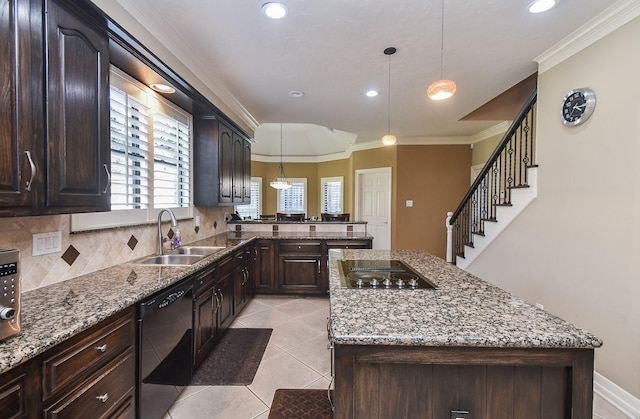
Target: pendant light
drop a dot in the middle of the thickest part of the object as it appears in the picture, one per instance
(280, 182)
(389, 138)
(441, 89)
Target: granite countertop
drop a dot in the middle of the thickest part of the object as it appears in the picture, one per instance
(54, 313)
(463, 311)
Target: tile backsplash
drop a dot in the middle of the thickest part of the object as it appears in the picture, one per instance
(87, 252)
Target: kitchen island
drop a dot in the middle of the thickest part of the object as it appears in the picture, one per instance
(464, 346)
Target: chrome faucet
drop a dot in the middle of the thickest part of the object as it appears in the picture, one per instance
(174, 223)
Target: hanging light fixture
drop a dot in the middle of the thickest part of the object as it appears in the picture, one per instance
(280, 182)
(389, 138)
(441, 89)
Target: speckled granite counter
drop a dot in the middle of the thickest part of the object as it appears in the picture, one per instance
(463, 311)
(54, 313)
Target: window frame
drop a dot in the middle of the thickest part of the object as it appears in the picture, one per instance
(323, 204)
(293, 181)
(132, 217)
(257, 180)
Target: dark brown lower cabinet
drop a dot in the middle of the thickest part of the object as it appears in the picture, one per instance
(225, 293)
(300, 267)
(205, 310)
(264, 266)
(382, 382)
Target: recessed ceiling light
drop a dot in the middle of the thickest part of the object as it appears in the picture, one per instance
(372, 93)
(274, 10)
(296, 93)
(539, 6)
(162, 88)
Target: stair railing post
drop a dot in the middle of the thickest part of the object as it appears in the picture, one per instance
(449, 237)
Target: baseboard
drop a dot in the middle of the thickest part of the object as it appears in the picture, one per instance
(616, 396)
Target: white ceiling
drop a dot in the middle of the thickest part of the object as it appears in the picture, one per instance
(332, 50)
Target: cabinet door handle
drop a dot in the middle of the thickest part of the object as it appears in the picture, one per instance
(318, 263)
(102, 348)
(103, 397)
(217, 301)
(106, 169)
(33, 170)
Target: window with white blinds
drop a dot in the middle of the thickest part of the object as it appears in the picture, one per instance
(332, 194)
(150, 157)
(254, 209)
(129, 152)
(293, 199)
(171, 162)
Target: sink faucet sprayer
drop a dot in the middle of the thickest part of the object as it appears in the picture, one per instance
(174, 223)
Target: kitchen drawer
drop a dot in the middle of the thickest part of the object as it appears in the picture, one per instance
(307, 247)
(104, 395)
(83, 355)
(348, 244)
(204, 280)
(225, 267)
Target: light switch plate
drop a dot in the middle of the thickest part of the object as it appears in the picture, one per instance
(45, 243)
(197, 221)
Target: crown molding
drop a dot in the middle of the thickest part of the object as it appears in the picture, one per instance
(595, 29)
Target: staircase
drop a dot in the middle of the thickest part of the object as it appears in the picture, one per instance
(504, 187)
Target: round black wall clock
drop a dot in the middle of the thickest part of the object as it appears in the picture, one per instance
(577, 106)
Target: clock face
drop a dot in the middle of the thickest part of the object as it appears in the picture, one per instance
(578, 106)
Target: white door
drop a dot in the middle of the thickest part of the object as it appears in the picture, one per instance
(373, 204)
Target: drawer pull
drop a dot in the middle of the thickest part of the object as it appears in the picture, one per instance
(103, 397)
(102, 348)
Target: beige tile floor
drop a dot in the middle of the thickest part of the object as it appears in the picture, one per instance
(296, 357)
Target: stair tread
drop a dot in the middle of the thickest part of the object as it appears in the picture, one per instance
(523, 186)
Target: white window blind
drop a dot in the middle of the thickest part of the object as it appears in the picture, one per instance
(253, 209)
(332, 195)
(293, 199)
(171, 162)
(129, 152)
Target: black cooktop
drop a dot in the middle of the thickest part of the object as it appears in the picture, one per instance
(381, 274)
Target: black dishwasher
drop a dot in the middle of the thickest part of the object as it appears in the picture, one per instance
(165, 348)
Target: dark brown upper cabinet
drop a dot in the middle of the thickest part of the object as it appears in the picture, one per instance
(21, 98)
(54, 71)
(222, 164)
(78, 163)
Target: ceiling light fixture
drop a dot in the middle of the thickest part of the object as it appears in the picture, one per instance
(274, 10)
(388, 138)
(372, 93)
(540, 6)
(280, 182)
(296, 93)
(162, 88)
(441, 89)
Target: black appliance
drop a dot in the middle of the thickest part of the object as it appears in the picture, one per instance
(381, 274)
(165, 348)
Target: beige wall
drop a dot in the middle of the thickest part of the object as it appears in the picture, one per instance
(575, 249)
(482, 149)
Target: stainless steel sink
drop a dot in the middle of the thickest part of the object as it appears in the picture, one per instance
(171, 259)
(197, 250)
(186, 255)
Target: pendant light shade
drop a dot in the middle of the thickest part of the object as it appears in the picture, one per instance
(441, 89)
(388, 138)
(281, 181)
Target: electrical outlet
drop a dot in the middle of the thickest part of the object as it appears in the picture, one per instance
(197, 221)
(409, 203)
(460, 414)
